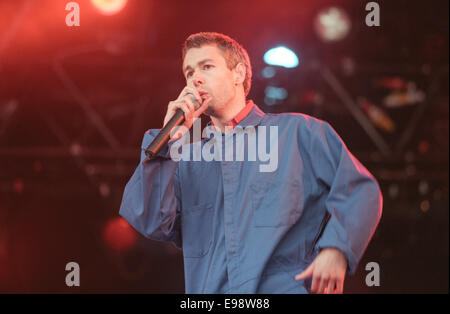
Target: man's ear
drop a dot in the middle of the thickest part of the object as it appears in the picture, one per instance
(239, 73)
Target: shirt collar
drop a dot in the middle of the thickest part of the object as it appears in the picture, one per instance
(250, 115)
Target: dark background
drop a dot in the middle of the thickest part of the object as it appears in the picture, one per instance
(75, 102)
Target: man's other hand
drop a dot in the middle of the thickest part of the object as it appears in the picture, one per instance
(327, 271)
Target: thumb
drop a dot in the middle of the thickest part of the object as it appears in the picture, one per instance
(306, 273)
(190, 121)
(203, 107)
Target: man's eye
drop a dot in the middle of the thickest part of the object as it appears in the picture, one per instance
(207, 66)
(189, 74)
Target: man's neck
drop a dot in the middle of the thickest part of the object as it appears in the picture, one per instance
(221, 119)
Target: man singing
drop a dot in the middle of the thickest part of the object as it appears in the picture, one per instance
(297, 228)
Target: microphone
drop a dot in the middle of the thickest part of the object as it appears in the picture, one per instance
(163, 136)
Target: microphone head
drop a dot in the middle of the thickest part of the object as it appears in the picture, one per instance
(196, 104)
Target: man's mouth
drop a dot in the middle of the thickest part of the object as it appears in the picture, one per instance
(203, 94)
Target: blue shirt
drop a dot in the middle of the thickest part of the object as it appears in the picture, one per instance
(243, 230)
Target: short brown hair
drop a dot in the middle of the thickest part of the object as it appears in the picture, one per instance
(232, 50)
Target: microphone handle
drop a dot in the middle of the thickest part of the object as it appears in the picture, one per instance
(163, 137)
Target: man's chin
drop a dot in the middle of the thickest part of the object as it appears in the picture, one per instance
(209, 111)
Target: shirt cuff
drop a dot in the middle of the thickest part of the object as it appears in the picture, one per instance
(149, 136)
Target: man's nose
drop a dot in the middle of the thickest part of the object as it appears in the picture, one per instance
(198, 79)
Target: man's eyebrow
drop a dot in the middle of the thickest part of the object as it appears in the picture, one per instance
(199, 63)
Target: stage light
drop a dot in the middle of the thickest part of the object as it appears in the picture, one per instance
(332, 24)
(274, 95)
(109, 7)
(393, 190)
(281, 56)
(411, 96)
(423, 147)
(104, 190)
(268, 72)
(75, 149)
(423, 187)
(18, 186)
(377, 116)
(276, 92)
(425, 206)
(311, 97)
(119, 235)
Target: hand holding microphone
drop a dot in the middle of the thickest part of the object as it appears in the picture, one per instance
(183, 111)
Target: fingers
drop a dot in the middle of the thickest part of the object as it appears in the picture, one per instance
(335, 286)
(323, 284)
(329, 272)
(327, 284)
(184, 104)
(331, 287)
(315, 284)
(306, 273)
(189, 105)
(174, 106)
(188, 90)
(203, 107)
(340, 286)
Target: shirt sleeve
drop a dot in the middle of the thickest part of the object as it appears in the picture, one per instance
(150, 202)
(354, 201)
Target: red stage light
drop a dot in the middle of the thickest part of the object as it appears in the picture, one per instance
(423, 147)
(18, 186)
(119, 235)
(109, 7)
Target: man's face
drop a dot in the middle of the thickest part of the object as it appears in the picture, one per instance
(205, 69)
